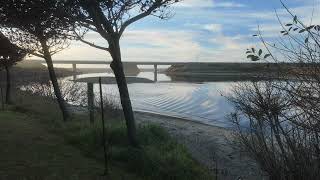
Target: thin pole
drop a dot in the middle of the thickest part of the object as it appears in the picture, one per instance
(106, 171)
(74, 71)
(2, 101)
(155, 72)
(90, 96)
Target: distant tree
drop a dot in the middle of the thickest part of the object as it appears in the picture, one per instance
(42, 28)
(9, 55)
(110, 18)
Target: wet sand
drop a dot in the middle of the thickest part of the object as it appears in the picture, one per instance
(210, 145)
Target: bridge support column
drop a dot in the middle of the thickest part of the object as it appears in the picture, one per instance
(155, 72)
(90, 102)
(74, 71)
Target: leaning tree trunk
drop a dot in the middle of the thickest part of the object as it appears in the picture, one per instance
(117, 68)
(8, 85)
(54, 81)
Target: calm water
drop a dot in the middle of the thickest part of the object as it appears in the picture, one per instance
(202, 102)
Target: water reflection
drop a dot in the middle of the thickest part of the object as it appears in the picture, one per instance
(201, 102)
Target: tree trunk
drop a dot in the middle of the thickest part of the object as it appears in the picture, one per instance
(54, 81)
(117, 68)
(8, 86)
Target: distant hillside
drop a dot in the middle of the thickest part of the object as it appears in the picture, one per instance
(30, 64)
(130, 69)
(228, 71)
(220, 67)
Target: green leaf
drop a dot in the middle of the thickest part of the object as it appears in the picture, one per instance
(306, 40)
(248, 52)
(260, 52)
(266, 56)
(250, 56)
(295, 29)
(295, 19)
(253, 50)
(253, 57)
(310, 27)
(289, 24)
(302, 30)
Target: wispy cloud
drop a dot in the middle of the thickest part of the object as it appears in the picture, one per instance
(201, 30)
(213, 27)
(209, 4)
(228, 5)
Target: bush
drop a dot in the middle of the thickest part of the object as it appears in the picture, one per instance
(159, 156)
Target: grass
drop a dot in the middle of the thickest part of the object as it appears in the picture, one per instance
(28, 151)
(159, 157)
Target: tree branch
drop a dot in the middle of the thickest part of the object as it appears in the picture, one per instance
(89, 43)
(138, 17)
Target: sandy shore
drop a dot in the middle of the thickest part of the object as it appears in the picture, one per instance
(210, 145)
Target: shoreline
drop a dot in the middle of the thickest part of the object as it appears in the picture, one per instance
(210, 145)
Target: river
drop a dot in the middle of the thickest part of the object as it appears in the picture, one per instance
(203, 102)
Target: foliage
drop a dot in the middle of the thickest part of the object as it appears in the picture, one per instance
(9, 53)
(282, 117)
(110, 18)
(27, 23)
(159, 156)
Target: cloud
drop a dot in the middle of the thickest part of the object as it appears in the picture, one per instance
(141, 45)
(228, 5)
(160, 45)
(195, 3)
(208, 4)
(213, 27)
(201, 30)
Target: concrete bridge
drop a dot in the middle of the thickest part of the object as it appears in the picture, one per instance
(90, 92)
(155, 64)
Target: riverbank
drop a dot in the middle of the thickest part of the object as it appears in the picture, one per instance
(159, 156)
(210, 145)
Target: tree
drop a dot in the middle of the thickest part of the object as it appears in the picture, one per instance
(42, 28)
(9, 55)
(110, 18)
(283, 134)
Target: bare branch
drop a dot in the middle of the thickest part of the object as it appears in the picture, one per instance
(80, 38)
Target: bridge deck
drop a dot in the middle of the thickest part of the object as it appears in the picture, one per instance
(130, 62)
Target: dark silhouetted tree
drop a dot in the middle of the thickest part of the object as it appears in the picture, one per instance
(110, 18)
(42, 28)
(9, 55)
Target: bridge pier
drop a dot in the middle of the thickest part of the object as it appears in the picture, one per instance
(74, 71)
(155, 72)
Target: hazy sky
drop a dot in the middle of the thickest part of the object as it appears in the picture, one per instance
(201, 30)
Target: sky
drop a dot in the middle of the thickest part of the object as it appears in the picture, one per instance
(200, 31)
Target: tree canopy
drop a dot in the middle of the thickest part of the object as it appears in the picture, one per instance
(110, 18)
(27, 23)
(9, 53)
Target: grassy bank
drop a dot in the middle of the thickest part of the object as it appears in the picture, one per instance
(28, 151)
(159, 157)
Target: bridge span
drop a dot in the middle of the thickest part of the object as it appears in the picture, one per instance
(155, 64)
